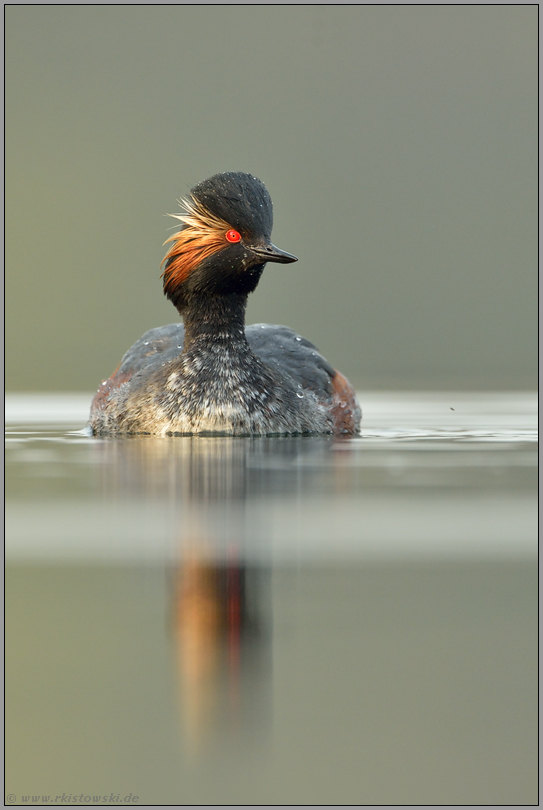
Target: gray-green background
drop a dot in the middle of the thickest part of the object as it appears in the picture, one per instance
(398, 144)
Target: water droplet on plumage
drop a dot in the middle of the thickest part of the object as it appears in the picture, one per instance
(299, 395)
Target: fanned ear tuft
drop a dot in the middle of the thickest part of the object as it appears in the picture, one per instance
(202, 236)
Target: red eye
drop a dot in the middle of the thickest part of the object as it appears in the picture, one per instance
(233, 236)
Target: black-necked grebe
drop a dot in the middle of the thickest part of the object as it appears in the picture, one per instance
(212, 374)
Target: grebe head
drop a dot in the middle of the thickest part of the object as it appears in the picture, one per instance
(225, 239)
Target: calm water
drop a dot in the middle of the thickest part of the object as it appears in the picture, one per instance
(275, 621)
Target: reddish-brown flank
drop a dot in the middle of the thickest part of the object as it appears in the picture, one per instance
(99, 401)
(344, 405)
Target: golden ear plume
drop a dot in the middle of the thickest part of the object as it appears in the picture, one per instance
(203, 235)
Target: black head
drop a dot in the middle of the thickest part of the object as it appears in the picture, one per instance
(239, 199)
(225, 241)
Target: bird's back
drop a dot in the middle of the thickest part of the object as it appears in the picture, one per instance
(288, 354)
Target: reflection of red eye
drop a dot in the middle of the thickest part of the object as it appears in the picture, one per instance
(233, 236)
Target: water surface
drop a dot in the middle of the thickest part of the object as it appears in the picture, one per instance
(275, 621)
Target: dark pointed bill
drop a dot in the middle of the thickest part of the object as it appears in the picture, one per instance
(270, 253)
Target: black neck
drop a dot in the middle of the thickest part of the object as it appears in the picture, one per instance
(213, 318)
